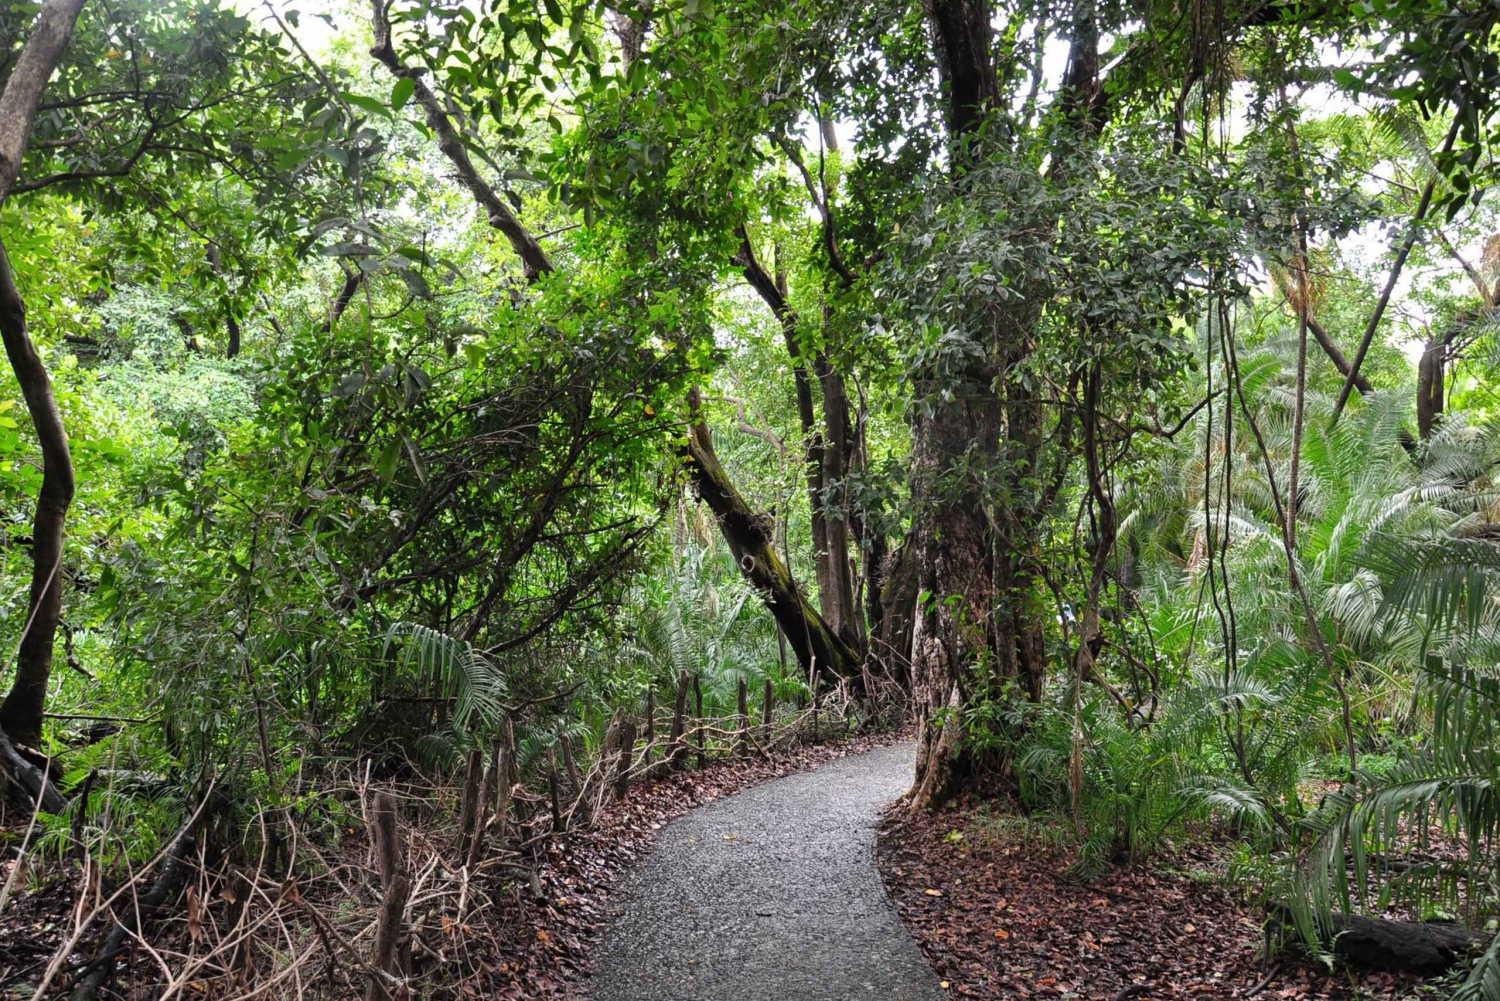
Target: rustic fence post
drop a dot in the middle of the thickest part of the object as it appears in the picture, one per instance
(570, 764)
(678, 753)
(650, 720)
(627, 752)
(815, 705)
(769, 707)
(702, 734)
(393, 902)
(505, 790)
(744, 742)
(468, 803)
(591, 795)
(242, 958)
(557, 823)
(514, 769)
(485, 801)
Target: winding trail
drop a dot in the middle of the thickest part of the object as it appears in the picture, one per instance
(770, 895)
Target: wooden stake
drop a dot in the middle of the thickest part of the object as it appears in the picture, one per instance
(650, 720)
(626, 754)
(557, 822)
(770, 705)
(814, 687)
(482, 818)
(393, 902)
(698, 715)
(510, 746)
(468, 804)
(679, 751)
(506, 787)
(575, 781)
(387, 843)
(744, 745)
(388, 936)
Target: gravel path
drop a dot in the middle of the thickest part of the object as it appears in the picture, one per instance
(770, 895)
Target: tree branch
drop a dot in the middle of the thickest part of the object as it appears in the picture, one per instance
(534, 259)
(27, 82)
(1413, 231)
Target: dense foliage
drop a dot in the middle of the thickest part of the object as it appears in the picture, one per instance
(1104, 384)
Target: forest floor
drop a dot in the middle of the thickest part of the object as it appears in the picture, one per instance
(987, 899)
(518, 949)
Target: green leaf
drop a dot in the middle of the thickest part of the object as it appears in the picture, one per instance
(417, 462)
(349, 385)
(402, 92)
(369, 104)
(389, 456)
(348, 250)
(415, 283)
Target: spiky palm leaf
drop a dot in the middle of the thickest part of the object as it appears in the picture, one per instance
(455, 669)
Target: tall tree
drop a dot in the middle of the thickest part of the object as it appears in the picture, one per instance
(826, 640)
(21, 712)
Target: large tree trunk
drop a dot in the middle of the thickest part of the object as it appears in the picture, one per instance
(21, 713)
(951, 539)
(839, 605)
(1020, 642)
(898, 608)
(750, 539)
(974, 557)
(951, 546)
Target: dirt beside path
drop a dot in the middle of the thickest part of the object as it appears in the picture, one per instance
(995, 915)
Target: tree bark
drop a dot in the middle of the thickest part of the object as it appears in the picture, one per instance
(1431, 383)
(34, 782)
(898, 602)
(678, 752)
(972, 555)
(962, 38)
(748, 534)
(839, 605)
(826, 453)
(950, 540)
(21, 713)
(951, 547)
(27, 82)
(1336, 355)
